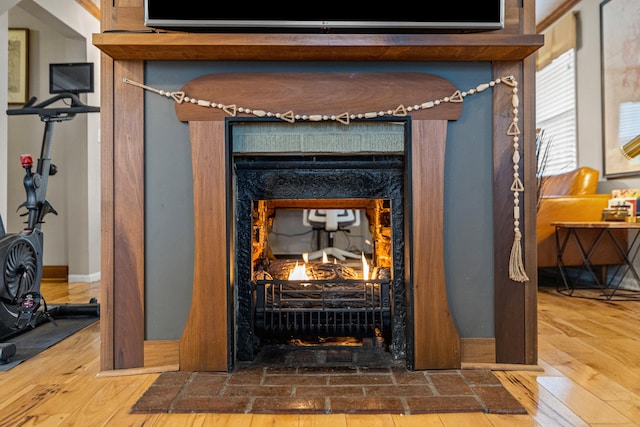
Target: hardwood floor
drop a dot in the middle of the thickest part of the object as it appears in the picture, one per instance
(589, 352)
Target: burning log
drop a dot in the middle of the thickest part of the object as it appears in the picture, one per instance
(280, 270)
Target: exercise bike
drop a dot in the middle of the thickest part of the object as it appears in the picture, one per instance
(22, 306)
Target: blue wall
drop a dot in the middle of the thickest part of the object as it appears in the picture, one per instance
(468, 233)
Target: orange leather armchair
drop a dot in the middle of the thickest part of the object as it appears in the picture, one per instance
(572, 196)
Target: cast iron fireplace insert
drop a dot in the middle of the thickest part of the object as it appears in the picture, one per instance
(377, 306)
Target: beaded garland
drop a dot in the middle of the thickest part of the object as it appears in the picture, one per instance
(516, 267)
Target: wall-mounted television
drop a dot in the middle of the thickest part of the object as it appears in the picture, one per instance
(74, 77)
(279, 17)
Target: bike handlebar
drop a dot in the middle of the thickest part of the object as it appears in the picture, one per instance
(63, 113)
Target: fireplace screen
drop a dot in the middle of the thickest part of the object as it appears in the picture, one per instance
(309, 309)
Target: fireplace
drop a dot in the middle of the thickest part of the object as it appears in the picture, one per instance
(346, 293)
(236, 60)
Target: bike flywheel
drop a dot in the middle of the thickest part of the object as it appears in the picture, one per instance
(20, 269)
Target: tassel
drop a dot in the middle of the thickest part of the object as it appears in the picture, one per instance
(517, 272)
(516, 266)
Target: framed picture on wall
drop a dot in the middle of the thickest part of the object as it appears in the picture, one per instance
(18, 69)
(620, 56)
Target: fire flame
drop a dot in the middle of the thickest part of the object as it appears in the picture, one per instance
(299, 272)
(365, 267)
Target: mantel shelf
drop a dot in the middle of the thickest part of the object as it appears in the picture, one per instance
(317, 47)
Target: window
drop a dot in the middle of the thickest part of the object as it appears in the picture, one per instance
(556, 115)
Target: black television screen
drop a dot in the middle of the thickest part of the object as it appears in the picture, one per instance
(338, 18)
(76, 77)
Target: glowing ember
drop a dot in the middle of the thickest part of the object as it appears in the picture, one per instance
(299, 272)
(365, 267)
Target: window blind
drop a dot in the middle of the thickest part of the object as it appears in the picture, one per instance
(556, 115)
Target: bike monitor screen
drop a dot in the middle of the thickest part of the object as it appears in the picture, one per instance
(74, 77)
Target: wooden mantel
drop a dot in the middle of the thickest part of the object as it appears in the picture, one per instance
(318, 47)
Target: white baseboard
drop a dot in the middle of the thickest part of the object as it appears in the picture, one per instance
(94, 277)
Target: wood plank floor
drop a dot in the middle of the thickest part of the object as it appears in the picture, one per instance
(589, 351)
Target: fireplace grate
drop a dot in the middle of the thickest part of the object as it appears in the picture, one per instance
(321, 308)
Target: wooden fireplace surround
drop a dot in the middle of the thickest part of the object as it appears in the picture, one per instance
(204, 342)
(127, 44)
(203, 347)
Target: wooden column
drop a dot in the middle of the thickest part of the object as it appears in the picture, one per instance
(203, 345)
(122, 246)
(436, 339)
(515, 303)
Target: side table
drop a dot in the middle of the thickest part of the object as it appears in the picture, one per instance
(609, 283)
